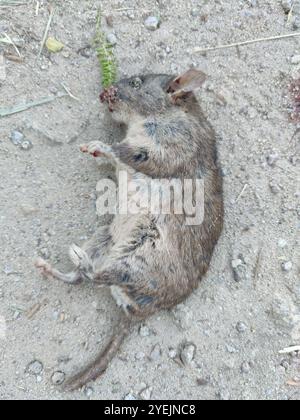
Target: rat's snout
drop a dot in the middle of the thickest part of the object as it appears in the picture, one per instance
(110, 96)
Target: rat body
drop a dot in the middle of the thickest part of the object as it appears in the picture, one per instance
(152, 261)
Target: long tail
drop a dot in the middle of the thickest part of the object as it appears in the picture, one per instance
(99, 366)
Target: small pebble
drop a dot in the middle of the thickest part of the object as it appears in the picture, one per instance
(144, 331)
(236, 263)
(111, 39)
(172, 353)
(16, 315)
(296, 22)
(26, 145)
(241, 327)
(231, 349)
(287, 5)
(203, 381)
(285, 364)
(35, 368)
(152, 23)
(295, 59)
(146, 394)
(188, 353)
(110, 20)
(155, 353)
(272, 159)
(8, 270)
(274, 187)
(130, 397)
(223, 395)
(58, 378)
(245, 368)
(116, 387)
(282, 243)
(140, 356)
(16, 137)
(28, 210)
(238, 267)
(88, 392)
(287, 266)
(131, 15)
(195, 12)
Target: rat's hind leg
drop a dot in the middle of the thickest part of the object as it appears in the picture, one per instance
(47, 270)
(80, 259)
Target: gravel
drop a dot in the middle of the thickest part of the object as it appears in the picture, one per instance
(295, 59)
(58, 378)
(287, 266)
(16, 137)
(112, 39)
(241, 327)
(287, 5)
(47, 196)
(187, 354)
(246, 368)
(239, 270)
(26, 145)
(35, 368)
(152, 23)
(282, 243)
(156, 353)
(146, 394)
(130, 397)
(144, 331)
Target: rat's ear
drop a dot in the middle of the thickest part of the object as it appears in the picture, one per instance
(186, 84)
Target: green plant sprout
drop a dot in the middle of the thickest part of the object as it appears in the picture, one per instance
(107, 60)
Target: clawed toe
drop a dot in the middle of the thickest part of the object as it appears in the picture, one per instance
(84, 148)
(94, 148)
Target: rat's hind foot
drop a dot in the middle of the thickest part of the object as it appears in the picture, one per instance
(48, 271)
(97, 149)
(44, 267)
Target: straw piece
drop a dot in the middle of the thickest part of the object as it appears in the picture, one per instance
(240, 44)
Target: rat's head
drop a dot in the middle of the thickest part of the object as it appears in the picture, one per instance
(147, 95)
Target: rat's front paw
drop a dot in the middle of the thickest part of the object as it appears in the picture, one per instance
(96, 149)
(44, 268)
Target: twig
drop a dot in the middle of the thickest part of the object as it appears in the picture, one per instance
(239, 44)
(242, 192)
(289, 350)
(123, 9)
(46, 31)
(291, 13)
(11, 41)
(257, 267)
(69, 92)
(13, 44)
(14, 58)
(11, 3)
(4, 112)
(37, 8)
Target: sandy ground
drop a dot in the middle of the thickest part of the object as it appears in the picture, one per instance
(247, 308)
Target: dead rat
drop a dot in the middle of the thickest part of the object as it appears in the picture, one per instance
(151, 261)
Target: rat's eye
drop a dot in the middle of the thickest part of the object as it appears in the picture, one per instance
(136, 83)
(140, 157)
